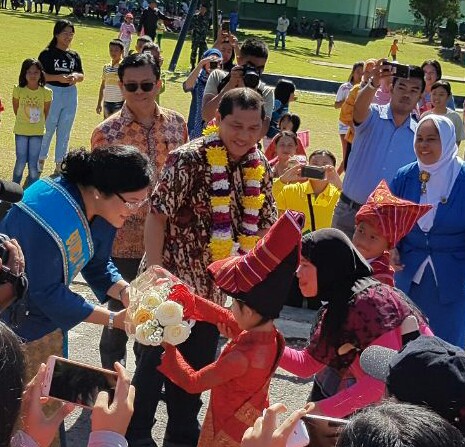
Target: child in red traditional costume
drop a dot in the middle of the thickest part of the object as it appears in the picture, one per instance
(239, 380)
(380, 224)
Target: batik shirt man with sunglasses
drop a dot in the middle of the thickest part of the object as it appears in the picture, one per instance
(155, 131)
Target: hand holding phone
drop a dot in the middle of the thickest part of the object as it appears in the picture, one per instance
(39, 427)
(315, 172)
(75, 382)
(115, 416)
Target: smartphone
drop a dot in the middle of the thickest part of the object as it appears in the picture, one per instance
(76, 382)
(315, 172)
(399, 70)
(213, 65)
(225, 26)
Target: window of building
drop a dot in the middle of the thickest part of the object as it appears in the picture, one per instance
(272, 2)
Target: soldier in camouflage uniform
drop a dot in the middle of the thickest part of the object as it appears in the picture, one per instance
(200, 28)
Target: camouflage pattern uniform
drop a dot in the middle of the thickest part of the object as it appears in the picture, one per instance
(200, 29)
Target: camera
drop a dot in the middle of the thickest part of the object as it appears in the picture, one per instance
(399, 70)
(251, 76)
(213, 65)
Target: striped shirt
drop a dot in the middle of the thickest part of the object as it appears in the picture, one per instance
(111, 92)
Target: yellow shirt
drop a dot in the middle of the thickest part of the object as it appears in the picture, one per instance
(294, 197)
(30, 119)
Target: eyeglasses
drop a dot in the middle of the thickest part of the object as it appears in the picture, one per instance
(132, 206)
(144, 86)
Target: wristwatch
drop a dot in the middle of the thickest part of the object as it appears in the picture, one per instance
(111, 320)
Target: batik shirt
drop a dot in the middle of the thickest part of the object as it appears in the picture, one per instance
(168, 132)
(183, 194)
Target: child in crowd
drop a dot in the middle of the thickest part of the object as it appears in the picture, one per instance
(440, 95)
(286, 147)
(394, 49)
(154, 50)
(331, 45)
(161, 28)
(126, 31)
(239, 380)
(31, 104)
(284, 94)
(110, 92)
(291, 123)
(141, 41)
(380, 224)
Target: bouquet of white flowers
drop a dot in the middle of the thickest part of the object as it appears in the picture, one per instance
(154, 314)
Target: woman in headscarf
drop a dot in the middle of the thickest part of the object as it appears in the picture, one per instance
(195, 84)
(359, 312)
(431, 259)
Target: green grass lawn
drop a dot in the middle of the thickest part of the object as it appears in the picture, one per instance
(91, 41)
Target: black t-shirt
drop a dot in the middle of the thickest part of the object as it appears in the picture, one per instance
(59, 62)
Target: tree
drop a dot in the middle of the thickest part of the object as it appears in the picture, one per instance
(433, 12)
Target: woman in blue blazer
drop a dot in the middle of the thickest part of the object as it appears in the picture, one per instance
(431, 262)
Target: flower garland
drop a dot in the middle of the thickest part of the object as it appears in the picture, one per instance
(221, 243)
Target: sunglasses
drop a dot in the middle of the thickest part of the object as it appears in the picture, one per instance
(144, 86)
(132, 206)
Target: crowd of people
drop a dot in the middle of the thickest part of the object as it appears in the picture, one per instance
(235, 204)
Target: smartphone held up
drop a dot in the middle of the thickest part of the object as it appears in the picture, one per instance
(315, 172)
(77, 383)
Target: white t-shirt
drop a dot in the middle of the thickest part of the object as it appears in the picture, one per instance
(216, 76)
(283, 24)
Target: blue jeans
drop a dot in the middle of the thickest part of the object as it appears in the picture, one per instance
(60, 120)
(280, 35)
(27, 152)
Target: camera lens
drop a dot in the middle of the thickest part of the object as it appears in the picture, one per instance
(251, 77)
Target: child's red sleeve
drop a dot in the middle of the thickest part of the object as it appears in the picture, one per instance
(226, 368)
(200, 309)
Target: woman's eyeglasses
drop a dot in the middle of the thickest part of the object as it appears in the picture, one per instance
(132, 206)
(144, 86)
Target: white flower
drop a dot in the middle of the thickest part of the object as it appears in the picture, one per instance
(252, 211)
(169, 313)
(151, 299)
(218, 170)
(142, 334)
(176, 334)
(221, 209)
(149, 333)
(220, 184)
(250, 227)
(254, 183)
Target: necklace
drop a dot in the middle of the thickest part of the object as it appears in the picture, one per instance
(424, 177)
(222, 243)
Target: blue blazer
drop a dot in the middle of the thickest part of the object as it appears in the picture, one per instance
(445, 242)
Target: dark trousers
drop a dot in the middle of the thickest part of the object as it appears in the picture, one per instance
(183, 427)
(198, 46)
(113, 342)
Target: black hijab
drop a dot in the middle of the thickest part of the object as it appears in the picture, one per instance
(341, 269)
(342, 272)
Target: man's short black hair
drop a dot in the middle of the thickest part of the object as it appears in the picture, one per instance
(243, 97)
(254, 47)
(415, 73)
(145, 39)
(117, 43)
(139, 60)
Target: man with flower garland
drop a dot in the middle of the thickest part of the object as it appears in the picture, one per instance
(213, 200)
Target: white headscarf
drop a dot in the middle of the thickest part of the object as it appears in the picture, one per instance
(443, 173)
